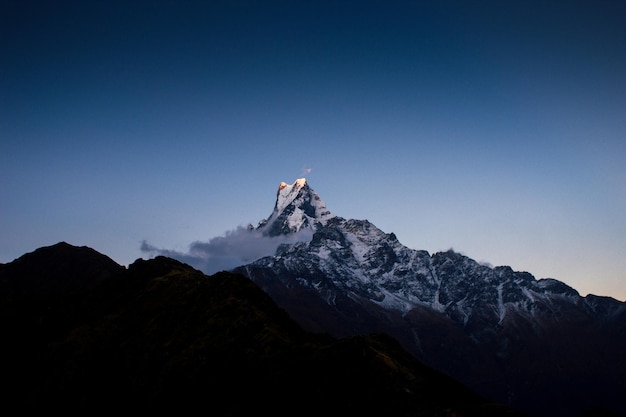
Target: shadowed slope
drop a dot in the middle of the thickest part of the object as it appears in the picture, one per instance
(163, 336)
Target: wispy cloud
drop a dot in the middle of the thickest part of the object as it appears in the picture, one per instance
(305, 171)
(234, 248)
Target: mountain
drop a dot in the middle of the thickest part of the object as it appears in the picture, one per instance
(82, 334)
(61, 270)
(298, 208)
(533, 344)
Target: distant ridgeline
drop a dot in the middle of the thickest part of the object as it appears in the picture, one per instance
(533, 344)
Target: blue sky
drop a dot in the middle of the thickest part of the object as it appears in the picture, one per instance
(494, 128)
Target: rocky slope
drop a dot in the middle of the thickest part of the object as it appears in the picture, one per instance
(535, 344)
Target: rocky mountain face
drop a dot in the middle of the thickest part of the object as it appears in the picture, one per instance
(534, 344)
(81, 334)
(297, 208)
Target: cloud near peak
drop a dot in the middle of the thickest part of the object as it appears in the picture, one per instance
(236, 247)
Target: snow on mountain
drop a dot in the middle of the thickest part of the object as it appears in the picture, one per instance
(358, 258)
(491, 327)
(297, 207)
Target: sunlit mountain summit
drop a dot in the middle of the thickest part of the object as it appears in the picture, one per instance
(297, 207)
(505, 333)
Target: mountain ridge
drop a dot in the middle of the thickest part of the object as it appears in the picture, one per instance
(491, 327)
(533, 344)
(162, 336)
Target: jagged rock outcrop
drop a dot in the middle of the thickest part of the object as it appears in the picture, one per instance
(297, 208)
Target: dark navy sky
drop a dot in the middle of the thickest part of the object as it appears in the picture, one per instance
(493, 127)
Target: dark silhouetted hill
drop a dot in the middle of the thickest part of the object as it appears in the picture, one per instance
(82, 334)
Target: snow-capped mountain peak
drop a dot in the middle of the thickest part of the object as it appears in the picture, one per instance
(491, 327)
(288, 192)
(297, 207)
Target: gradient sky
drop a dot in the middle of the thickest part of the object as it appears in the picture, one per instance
(497, 128)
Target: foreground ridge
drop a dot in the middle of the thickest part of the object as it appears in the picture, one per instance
(162, 336)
